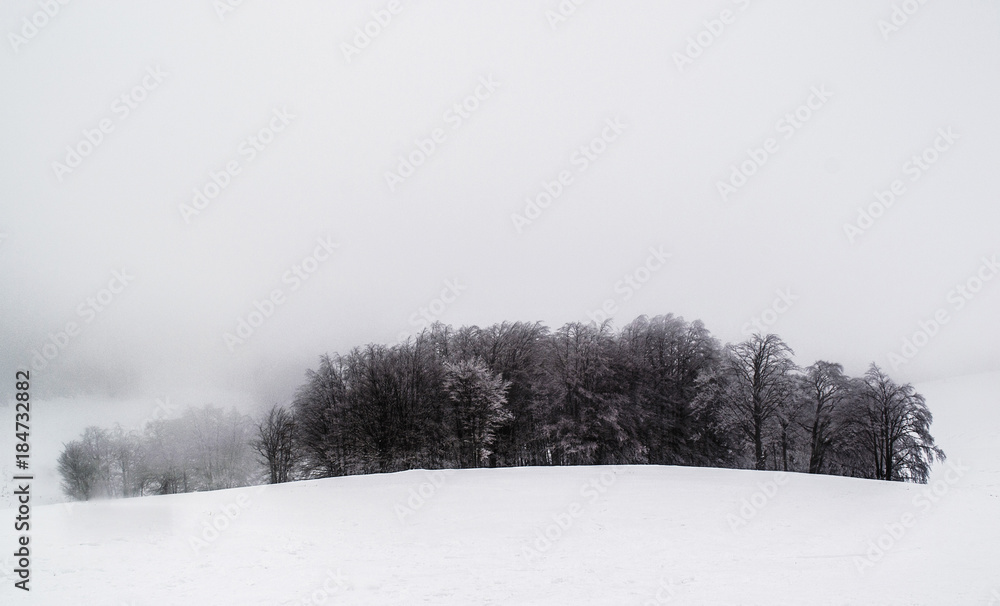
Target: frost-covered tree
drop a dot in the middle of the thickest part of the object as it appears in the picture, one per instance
(661, 360)
(205, 449)
(78, 471)
(478, 407)
(217, 444)
(101, 464)
(126, 452)
(591, 421)
(517, 352)
(166, 463)
(824, 390)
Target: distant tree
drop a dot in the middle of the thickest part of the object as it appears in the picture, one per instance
(126, 450)
(758, 384)
(478, 398)
(166, 462)
(101, 464)
(216, 445)
(660, 391)
(893, 427)
(275, 443)
(78, 471)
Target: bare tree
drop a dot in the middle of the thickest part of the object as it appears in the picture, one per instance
(894, 429)
(126, 459)
(275, 443)
(824, 388)
(320, 410)
(758, 384)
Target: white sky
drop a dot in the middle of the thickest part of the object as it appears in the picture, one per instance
(324, 176)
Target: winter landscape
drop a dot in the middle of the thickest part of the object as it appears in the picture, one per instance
(626, 535)
(506, 302)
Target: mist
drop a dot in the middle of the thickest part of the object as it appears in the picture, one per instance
(196, 203)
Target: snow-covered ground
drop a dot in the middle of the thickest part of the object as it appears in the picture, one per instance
(627, 535)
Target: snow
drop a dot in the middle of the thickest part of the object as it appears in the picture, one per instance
(629, 535)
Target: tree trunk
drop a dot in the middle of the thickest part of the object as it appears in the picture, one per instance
(758, 448)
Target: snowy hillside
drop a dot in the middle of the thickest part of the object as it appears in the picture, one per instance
(627, 535)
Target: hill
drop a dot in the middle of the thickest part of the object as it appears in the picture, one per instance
(543, 536)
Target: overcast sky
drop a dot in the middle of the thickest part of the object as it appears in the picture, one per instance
(665, 98)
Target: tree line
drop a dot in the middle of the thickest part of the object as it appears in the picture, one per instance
(660, 391)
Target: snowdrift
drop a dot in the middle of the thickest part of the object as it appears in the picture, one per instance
(544, 536)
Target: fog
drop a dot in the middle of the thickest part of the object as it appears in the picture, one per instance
(289, 136)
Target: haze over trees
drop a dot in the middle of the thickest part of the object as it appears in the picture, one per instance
(204, 449)
(659, 391)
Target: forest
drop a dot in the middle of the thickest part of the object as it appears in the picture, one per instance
(659, 391)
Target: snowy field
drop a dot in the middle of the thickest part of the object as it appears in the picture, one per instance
(627, 535)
